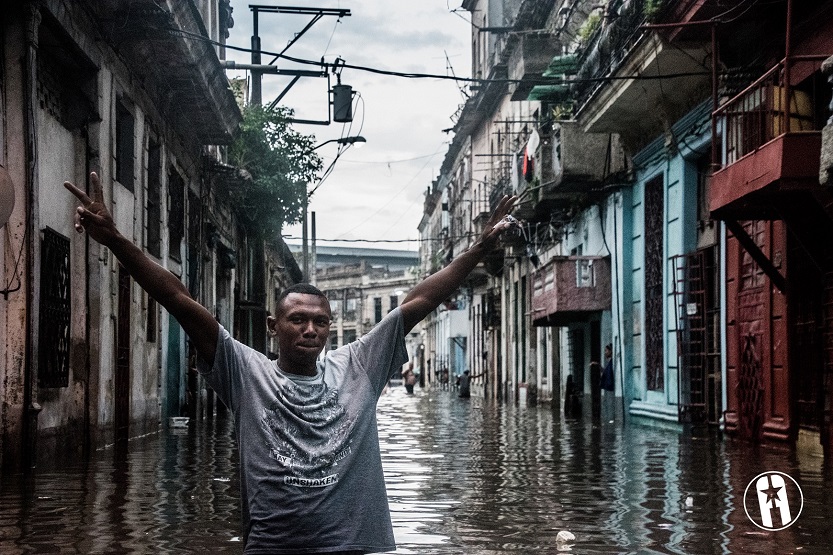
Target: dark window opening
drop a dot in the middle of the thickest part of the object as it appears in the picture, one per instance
(377, 309)
(194, 234)
(53, 338)
(154, 200)
(124, 146)
(152, 321)
(176, 213)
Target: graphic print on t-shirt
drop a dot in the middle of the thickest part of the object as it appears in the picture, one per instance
(309, 433)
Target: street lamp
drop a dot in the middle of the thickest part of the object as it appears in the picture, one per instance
(343, 141)
(305, 270)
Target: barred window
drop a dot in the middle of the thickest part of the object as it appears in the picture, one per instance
(154, 200)
(53, 340)
(176, 213)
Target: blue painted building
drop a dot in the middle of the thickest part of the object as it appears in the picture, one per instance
(673, 283)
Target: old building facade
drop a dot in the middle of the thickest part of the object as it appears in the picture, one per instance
(673, 205)
(136, 92)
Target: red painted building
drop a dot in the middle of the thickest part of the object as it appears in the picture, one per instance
(765, 187)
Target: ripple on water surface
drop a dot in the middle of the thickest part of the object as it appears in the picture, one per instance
(463, 477)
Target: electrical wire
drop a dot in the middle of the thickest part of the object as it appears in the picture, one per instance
(389, 162)
(414, 75)
(342, 147)
(397, 193)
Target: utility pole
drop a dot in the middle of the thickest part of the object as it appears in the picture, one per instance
(305, 241)
(256, 98)
(313, 265)
(257, 69)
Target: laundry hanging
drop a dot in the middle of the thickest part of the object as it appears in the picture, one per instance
(529, 155)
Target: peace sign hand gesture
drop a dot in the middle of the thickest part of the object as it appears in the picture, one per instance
(93, 215)
(499, 222)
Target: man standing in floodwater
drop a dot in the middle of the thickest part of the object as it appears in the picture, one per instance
(311, 470)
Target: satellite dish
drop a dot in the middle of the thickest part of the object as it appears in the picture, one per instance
(6, 196)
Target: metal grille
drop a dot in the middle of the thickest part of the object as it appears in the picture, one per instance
(760, 112)
(806, 340)
(698, 335)
(176, 213)
(751, 387)
(828, 343)
(55, 310)
(654, 329)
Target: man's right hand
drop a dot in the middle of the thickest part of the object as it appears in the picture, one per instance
(93, 215)
(167, 289)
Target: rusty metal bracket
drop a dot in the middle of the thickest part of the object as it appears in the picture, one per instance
(749, 244)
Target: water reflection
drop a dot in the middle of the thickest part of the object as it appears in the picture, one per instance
(463, 476)
(172, 493)
(466, 476)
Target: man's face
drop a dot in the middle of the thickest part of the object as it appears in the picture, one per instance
(302, 326)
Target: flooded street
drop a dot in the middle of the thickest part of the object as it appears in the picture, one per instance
(463, 476)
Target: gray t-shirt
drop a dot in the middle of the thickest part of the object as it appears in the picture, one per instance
(311, 471)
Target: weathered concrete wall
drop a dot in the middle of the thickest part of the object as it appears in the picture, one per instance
(13, 253)
(826, 169)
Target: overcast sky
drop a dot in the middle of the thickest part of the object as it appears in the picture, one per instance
(376, 191)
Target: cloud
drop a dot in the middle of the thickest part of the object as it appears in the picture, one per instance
(375, 192)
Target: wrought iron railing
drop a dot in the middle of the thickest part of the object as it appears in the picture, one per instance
(759, 113)
(608, 45)
(502, 187)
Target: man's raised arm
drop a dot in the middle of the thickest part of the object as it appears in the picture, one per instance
(430, 292)
(159, 283)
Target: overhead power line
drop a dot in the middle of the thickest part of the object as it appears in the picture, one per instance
(415, 75)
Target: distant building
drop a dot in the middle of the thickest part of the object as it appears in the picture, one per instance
(363, 285)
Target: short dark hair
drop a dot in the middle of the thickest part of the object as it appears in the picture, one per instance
(302, 288)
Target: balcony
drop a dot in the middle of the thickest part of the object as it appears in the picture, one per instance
(572, 160)
(163, 42)
(570, 289)
(670, 76)
(771, 148)
(529, 60)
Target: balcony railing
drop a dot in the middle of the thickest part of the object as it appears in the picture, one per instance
(759, 113)
(609, 44)
(502, 187)
(569, 289)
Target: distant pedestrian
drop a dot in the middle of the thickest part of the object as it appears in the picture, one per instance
(444, 379)
(410, 380)
(464, 383)
(607, 383)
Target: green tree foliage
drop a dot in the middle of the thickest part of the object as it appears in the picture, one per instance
(281, 162)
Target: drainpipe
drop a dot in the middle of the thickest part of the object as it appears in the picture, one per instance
(716, 150)
(30, 373)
